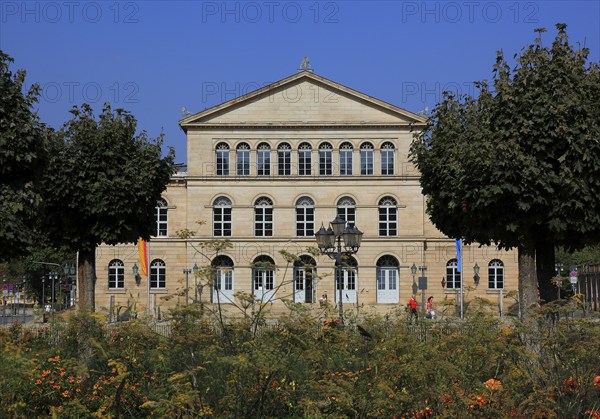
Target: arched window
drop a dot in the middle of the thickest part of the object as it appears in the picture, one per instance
(453, 277)
(349, 276)
(222, 156)
(161, 218)
(325, 159)
(116, 274)
(346, 210)
(242, 159)
(158, 274)
(496, 274)
(263, 159)
(305, 217)
(346, 162)
(388, 217)
(222, 290)
(366, 159)
(263, 217)
(387, 158)
(222, 217)
(263, 278)
(284, 159)
(304, 274)
(387, 280)
(304, 159)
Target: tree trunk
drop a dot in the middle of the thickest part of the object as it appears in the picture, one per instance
(528, 294)
(544, 259)
(86, 266)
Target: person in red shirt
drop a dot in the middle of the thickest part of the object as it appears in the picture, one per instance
(412, 308)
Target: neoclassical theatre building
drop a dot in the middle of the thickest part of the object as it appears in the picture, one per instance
(264, 172)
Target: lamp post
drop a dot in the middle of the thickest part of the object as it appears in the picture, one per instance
(330, 243)
(23, 297)
(53, 276)
(187, 272)
(559, 267)
(413, 271)
(422, 285)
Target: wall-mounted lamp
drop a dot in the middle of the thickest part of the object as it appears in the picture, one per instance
(476, 272)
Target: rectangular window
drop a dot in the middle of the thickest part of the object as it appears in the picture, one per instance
(325, 163)
(366, 162)
(346, 162)
(158, 277)
(347, 214)
(222, 222)
(263, 162)
(161, 221)
(116, 277)
(284, 162)
(243, 162)
(304, 162)
(263, 221)
(452, 277)
(387, 162)
(388, 221)
(305, 221)
(496, 277)
(263, 280)
(222, 162)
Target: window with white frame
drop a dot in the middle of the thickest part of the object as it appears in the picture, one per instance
(325, 159)
(387, 280)
(263, 160)
(346, 210)
(161, 218)
(284, 160)
(366, 159)
(496, 274)
(388, 217)
(263, 277)
(242, 159)
(263, 217)
(222, 217)
(346, 161)
(116, 274)
(304, 159)
(222, 157)
(305, 217)
(158, 274)
(222, 290)
(453, 277)
(387, 158)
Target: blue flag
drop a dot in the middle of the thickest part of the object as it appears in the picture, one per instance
(458, 255)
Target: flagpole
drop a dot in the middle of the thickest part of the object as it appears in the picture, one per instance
(148, 277)
(462, 313)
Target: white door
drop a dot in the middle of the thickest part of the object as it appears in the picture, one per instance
(387, 285)
(264, 284)
(303, 286)
(223, 292)
(349, 285)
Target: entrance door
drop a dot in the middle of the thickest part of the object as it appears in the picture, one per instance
(349, 285)
(387, 285)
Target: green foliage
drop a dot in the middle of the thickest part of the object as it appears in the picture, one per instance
(519, 165)
(23, 161)
(301, 367)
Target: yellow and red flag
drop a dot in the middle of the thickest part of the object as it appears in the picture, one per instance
(143, 251)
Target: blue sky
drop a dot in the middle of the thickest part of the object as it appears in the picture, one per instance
(153, 57)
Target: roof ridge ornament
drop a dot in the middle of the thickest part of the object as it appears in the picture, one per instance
(305, 65)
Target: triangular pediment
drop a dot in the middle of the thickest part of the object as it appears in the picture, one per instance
(303, 99)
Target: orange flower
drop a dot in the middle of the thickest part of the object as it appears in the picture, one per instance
(593, 414)
(493, 384)
(597, 381)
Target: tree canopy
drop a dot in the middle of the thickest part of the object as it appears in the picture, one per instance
(519, 165)
(103, 186)
(22, 161)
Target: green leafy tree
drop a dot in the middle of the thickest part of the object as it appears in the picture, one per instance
(22, 161)
(103, 187)
(519, 166)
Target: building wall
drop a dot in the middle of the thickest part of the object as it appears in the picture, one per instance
(332, 118)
